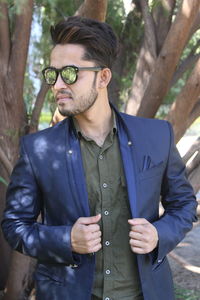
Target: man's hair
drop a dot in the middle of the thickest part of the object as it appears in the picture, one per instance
(98, 38)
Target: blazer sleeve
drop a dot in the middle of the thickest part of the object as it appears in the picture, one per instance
(20, 226)
(178, 201)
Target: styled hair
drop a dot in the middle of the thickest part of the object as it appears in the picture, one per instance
(98, 38)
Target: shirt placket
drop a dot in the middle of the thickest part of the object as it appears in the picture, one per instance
(106, 212)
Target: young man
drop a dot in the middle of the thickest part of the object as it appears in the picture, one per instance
(96, 178)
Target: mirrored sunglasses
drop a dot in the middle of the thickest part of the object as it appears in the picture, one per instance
(69, 74)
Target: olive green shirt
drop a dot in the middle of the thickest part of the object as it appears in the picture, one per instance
(116, 273)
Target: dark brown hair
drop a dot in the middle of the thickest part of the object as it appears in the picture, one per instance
(98, 38)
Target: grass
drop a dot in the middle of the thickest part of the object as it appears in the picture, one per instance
(184, 294)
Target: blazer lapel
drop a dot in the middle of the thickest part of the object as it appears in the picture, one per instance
(76, 172)
(129, 163)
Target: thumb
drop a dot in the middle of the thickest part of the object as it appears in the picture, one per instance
(89, 220)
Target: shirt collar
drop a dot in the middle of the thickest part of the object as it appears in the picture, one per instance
(80, 134)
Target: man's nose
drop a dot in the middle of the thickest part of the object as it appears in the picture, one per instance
(60, 84)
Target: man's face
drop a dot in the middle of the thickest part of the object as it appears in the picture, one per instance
(80, 96)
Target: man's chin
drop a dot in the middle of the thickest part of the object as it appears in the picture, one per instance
(66, 113)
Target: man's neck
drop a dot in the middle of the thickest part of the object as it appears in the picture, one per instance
(96, 123)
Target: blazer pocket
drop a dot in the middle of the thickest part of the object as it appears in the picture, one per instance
(156, 170)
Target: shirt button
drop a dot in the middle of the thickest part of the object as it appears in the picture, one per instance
(106, 213)
(105, 185)
(100, 156)
(107, 272)
(107, 243)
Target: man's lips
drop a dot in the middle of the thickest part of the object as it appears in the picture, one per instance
(63, 97)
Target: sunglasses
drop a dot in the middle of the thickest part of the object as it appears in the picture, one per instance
(69, 74)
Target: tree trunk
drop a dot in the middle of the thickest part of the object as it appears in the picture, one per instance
(38, 108)
(162, 14)
(192, 161)
(12, 114)
(145, 62)
(20, 284)
(168, 59)
(93, 9)
(184, 103)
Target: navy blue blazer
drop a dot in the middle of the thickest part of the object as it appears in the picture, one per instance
(49, 180)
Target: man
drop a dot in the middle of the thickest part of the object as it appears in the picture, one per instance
(96, 178)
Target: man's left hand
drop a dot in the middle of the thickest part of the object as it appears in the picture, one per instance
(143, 236)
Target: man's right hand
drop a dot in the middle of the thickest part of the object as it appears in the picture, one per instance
(86, 235)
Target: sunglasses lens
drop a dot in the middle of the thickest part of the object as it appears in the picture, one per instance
(69, 75)
(50, 76)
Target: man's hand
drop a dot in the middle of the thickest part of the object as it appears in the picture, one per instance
(143, 236)
(86, 235)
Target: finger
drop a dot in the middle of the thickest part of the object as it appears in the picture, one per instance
(89, 220)
(92, 245)
(95, 248)
(136, 235)
(139, 228)
(96, 235)
(138, 221)
(93, 228)
(137, 243)
(138, 250)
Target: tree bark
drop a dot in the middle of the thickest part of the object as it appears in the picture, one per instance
(192, 161)
(33, 127)
(20, 285)
(195, 113)
(12, 121)
(4, 36)
(168, 58)
(184, 103)
(93, 9)
(194, 178)
(5, 162)
(187, 64)
(145, 61)
(162, 15)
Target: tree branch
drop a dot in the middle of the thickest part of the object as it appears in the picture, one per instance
(162, 14)
(38, 107)
(195, 113)
(145, 62)
(93, 9)
(188, 63)
(191, 151)
(168, 59)
(184, 103)
(194, 179)
(6, 163)
(149, 29)
(20, 43)
(4, 35)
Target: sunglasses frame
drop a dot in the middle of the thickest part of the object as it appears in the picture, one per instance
(77, 69)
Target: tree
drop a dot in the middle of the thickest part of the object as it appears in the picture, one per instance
(13, 53)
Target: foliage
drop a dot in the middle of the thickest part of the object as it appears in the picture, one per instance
(184, 294)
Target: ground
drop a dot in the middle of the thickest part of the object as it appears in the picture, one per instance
(185, 265)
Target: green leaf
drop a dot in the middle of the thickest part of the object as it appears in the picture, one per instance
(3, 181)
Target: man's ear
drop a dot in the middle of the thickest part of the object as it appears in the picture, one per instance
(105, 77)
